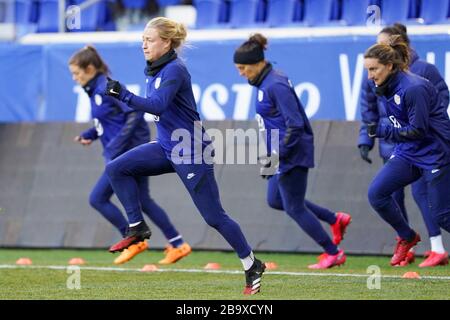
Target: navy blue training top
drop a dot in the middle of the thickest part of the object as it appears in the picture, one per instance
(373, 111)
(420, 125)
(170, 99)
(279, 108)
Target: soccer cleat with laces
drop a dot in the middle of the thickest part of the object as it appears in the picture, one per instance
(328, 261)
(131, 252)
(175, 254)
(134, 235)
(402, 248)
(435, 259)
(339, 227)
(253, 277)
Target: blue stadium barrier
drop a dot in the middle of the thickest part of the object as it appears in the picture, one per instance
(325, 71)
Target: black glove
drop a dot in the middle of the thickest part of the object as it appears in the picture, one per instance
(264, 171)
(113, 88)
(269, 166)
(364, 152)
(372, 129)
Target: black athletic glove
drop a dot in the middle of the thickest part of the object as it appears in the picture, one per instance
(364, 152)
(113, 88)
(264, 171)
(269, 166)
(372, 129)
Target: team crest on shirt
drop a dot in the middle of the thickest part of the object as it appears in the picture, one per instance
(157, 82)
(98, 99)
(397, 99)
(260, 95)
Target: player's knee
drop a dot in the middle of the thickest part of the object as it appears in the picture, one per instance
(376, 199)
(112, 169)
(214, 221)
(274, 203)
(95, 201)
(443, 221)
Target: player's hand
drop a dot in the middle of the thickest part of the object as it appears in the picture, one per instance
(372, 129)
(269, 166)
(113, 88)
(82, 141)
(364, 152)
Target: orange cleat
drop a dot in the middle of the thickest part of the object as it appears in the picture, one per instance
(402, 248)
(329, 261)
(339, 227)
(175, 254)
(131, 252)
(435, 259)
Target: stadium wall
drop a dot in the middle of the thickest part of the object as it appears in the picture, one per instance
(46, 180)
(326, 72)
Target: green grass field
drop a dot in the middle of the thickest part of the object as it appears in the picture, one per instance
(187, 280)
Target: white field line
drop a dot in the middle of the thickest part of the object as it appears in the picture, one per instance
(306, 274)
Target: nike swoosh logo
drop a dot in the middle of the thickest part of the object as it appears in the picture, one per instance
(434, 170)
(112, 91)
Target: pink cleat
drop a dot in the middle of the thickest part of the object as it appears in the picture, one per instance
(339, 227)
(435, 259)
(329, 261)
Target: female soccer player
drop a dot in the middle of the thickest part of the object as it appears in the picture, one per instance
(372, 110)
(278, 108)
(170, 99)
(420, 128)
(119, 128)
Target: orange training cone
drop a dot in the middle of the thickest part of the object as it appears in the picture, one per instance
(77, 261)
(24, 261)
(149, 268)
(411, 275)
(212, 266)
(271, 265)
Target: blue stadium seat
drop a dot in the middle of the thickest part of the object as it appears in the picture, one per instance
(48, 16)
(209, 13)
(281, 12)
(92, 17)
(317, 12)
(165, 3)
(354, 13)
(247, 13)
(224, 11)
(393, 11)
(23, 11)
(414, 9)
(134, 4)
(435, 11)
